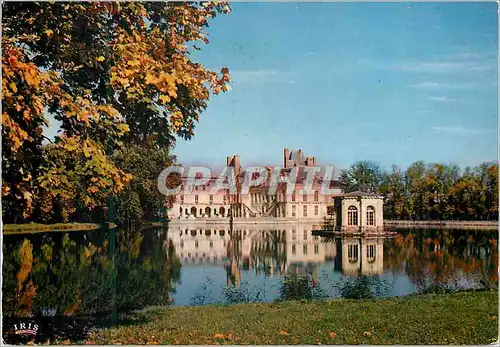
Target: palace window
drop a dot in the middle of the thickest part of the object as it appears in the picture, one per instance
(293, 210)
(293, 196)
(293, 249)
(294, 236)
(304, 198)
(305, 235)
(316, 249)
(196, 244)
(316, 196)
(211, 199)
(304, 250)
(370, 215)
(182, 198)
(304, 211)
(352, 253)
(352, 216)
(225, 199)
(196, 199)
(211, 244)
(182, 243)
(370, 253)
(316, 210)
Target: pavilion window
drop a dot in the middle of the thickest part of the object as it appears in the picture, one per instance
(352, 215)
(370, 215)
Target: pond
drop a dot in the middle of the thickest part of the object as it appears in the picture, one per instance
(69, 282)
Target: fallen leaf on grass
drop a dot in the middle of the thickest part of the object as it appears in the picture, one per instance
(283, 332)
(492, 318)
(332, 334)
(367, 334)
(219, 336)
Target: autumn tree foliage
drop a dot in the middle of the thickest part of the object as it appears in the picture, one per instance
(111, 73)
(429, 191)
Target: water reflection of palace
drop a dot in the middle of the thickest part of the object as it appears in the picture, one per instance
(277, 249)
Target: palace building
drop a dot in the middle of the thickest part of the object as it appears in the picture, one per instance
(264, 202)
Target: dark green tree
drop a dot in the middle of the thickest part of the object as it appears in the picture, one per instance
(363, 175)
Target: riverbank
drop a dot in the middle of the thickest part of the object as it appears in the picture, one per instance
(464, 318)
(445, 224)
(34, 228)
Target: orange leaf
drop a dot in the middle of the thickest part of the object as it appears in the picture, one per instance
(164, 98)
(283, 332)
(219, 336)
(332, 334)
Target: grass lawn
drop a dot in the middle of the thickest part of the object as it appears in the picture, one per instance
(464, 318)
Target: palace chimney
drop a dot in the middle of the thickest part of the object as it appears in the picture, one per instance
(286, 157)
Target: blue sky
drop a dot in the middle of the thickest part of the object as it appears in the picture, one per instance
(393, 83)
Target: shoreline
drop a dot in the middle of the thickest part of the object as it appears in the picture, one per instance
(444, 224)
(431, 224)
(35, 228)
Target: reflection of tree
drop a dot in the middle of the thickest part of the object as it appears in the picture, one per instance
(443, 257)
(73, 272)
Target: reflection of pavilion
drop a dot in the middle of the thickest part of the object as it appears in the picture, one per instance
(273, 249)
(361, 256)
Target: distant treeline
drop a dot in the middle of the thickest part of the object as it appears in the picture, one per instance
(429, 191)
